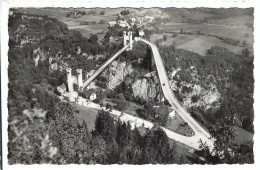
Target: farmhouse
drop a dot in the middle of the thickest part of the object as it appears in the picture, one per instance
(141, 33)
(111, 24)
(123, 23)
(89, 94)
(163, 111)
(132, 19)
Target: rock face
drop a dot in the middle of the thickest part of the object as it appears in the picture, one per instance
(147, 87)
(116, 73)
(208, 99)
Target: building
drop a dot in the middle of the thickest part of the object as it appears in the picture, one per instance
(123, 23)
(89, 94)
(111, 24)
(62, 88)
(148, 18)
(132, 19)
(163, 111)
(141, 33)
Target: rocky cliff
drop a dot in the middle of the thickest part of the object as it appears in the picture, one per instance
(116, 73)
(147, 86)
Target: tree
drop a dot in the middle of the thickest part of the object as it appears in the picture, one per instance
(93, 38)
(195, 98)
(102, 13)
(225, 151)
(181, 31)
(92, 12)
(65, 132)
(150, 108)
(123, 133)
(104, 126)
(121, 104)
(246, 52)
(157, 143)
(165, 37)
(102, 22)
(125, 12)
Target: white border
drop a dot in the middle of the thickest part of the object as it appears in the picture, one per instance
(130, 3)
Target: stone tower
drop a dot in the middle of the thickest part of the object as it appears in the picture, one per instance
(125, 38)
(69, 80)
(80, 80)
(128, 39)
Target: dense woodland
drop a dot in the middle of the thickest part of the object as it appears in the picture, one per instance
(222, 68)
(111, 141)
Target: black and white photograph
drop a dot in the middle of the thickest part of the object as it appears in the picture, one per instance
(129, 85)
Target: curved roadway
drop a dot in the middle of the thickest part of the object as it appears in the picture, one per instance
(200, 133)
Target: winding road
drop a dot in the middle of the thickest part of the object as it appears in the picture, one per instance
(199, 132)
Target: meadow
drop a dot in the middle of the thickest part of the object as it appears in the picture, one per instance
(238, 32)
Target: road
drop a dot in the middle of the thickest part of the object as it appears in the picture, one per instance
(79, 26)
(200, 133)
(102, 67)
(191, 141)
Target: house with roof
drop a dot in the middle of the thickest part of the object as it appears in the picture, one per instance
(123, 23)
(132, 19)
(141, 33)
(62, 88)
(89, 94)
(111, 24)
(163, 111)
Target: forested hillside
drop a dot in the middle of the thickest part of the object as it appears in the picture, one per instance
(42, 129)
(231, 74)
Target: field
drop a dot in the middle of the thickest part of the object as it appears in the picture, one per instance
(234, 32)
(42, 11)
(242, 136)
(182, 14)
(87, 114)
(241, 21)
(74, 23)
(86, 30)
(176, 124)
(196, 43)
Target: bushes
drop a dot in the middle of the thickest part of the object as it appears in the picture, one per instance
(96, 100)
(165, 37)
(195, 98)
(120, 104)
(125, 12)
(102, 13)
(91, 12)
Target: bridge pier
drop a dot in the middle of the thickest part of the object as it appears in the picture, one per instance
(69, 80)
(128, 39)
(80, 80)
(161, 96)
